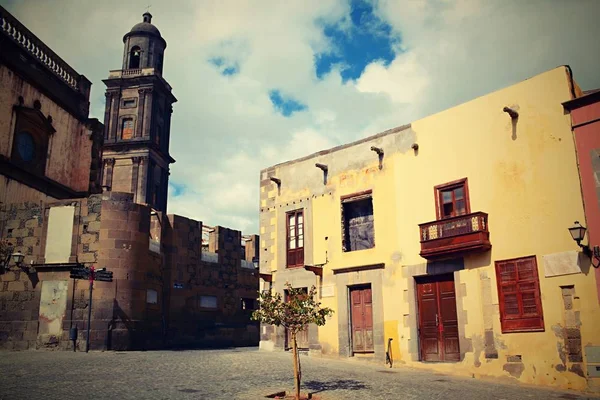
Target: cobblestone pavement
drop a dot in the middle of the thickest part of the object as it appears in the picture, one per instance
(244, 374)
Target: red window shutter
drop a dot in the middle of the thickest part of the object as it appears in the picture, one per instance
(519, 295)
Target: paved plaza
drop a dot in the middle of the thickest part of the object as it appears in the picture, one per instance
(245, 374)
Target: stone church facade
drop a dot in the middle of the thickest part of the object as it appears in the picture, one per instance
(78, 193)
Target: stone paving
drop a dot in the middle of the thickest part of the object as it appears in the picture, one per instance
(244, 374)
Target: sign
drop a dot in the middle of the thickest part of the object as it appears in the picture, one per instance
(79, 273)
(104, 276)
(327, 291)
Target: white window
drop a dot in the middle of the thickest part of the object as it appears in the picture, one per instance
(151, 296)
(208, 301)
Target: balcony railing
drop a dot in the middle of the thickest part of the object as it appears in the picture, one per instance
(34, 46)
(453, 237)
(130, 73)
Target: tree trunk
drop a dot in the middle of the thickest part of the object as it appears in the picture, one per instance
(296, 369)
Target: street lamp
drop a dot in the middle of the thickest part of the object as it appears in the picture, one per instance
(577, 232)
(17, 258)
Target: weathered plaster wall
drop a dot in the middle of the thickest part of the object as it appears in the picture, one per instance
(523, 174)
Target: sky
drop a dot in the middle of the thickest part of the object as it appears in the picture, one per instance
(265, 81)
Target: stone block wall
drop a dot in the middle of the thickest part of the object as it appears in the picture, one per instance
(189, 323)
(155, 297)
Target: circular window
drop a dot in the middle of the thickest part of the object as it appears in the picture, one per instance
(25, 146)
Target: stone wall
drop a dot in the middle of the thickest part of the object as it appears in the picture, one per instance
(159, 278)
(191, 324)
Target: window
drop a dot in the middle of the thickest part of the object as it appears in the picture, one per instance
(160, 63)
(452, 199)
(519, 295)
(31, 139)
(157, 135)
(156, 186)
(128, 103)
(295, 239)
(358, 222)
(134, 57)
(248, 303)
(127, 128)
(208, 302)
(151, 296)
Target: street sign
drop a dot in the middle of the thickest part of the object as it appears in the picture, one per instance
(104, 276)
(80, 273)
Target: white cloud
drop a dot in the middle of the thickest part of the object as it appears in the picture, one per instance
(225, 128)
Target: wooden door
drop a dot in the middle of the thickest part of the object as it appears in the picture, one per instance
(301, 337)
(361, 304)
(438, 324)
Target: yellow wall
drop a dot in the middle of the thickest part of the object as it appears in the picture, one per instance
(523, 175)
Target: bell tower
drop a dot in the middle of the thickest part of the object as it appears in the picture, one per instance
(137, 119)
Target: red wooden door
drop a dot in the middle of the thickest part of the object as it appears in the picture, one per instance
(301, 336)
(438, 324)
(361, 304)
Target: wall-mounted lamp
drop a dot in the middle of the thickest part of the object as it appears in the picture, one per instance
(415, 146)
(325, 170)
(578, 233)
(379, 152)
(17, 259)
(255, 262)
(277, 181)
(513, 114)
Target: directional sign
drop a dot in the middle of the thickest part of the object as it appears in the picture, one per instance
(104, 276)
(80, 273)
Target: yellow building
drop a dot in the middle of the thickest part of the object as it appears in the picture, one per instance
(444, 240)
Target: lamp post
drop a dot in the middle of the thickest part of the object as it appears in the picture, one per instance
(577, 232)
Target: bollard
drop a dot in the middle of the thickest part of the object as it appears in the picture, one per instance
(73, 336)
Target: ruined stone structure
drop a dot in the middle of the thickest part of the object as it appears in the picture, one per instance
(168, 288)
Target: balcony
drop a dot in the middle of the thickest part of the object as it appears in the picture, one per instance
(455, 237)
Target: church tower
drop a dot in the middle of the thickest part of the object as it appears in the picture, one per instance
(137, 119)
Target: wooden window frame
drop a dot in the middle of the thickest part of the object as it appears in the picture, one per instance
(122, 119)
(438, 189)
(351, 198)
(297, 212)
(522, 322)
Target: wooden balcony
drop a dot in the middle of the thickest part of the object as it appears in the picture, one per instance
(455, 237)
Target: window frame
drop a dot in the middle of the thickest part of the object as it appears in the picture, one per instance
(351, 198)
(297, 249)
(439, 189)
(201, 307)
(532, 322)
(31, 121)
(122, 120)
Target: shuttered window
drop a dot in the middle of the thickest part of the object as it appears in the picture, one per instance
(519, 295)
(295, 239)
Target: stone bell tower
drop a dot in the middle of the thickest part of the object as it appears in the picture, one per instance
(137, 119)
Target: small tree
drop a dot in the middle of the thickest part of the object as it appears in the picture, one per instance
(295, 314)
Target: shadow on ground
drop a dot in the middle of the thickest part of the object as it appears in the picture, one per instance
(343, 384)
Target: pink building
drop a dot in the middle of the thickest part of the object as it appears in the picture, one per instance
(585, 120)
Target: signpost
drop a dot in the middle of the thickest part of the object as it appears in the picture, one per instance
(91, 274)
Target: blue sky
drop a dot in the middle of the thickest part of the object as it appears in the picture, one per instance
(361, 39)
(260, 83)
